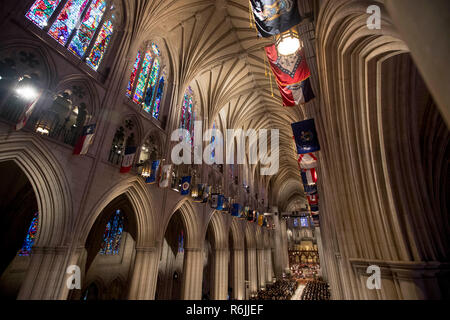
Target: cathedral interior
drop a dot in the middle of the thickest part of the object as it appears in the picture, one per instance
(94, 205)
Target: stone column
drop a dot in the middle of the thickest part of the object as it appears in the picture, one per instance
(252, 269)
(145, 274)
(192, 274)
(219, 284)
(239, 274)
(424, 27)
(262, 268)
(45, 276)
(269, 265)
(284, 256)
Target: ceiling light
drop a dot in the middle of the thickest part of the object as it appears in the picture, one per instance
(288, 42)
(27, 92)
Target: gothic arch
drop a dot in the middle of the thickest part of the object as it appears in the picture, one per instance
(190, 221)
(49, 183)
(141, 200)
(219, 227)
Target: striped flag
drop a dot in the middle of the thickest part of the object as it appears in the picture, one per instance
(313, 199)
(128, 159)
(27, 113)
(166, 173)
(309, 176)
(307, 161)
(85, 140)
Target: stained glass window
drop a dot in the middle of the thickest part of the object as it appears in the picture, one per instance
(143, 77)
(41, 11)
(150, 82)
(67, 20)
(89, 25)
(99, 49)
(78, 21)
(113, 234)
(30, 237)
(158, 98)
(187, 115)
(151, 90)
(181, 242)
(213, 143)
(304, 222)
(134, 74)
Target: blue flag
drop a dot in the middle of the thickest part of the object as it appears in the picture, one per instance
(185, 185)
(220, 202)
(310, 189)
(153, 174)
(305, 136)
(236, 210)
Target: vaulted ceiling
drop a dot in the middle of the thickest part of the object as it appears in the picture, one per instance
(214, 49)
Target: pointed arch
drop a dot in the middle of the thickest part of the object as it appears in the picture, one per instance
(49, 182)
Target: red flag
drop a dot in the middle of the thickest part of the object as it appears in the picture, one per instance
(27, 113)
(292, 75)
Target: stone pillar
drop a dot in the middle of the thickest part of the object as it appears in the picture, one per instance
(145, 274)
(262, 268)
(219, 284)
(192, 274)
(424, 27)
(45, 276)
(238, 274)
(284, 256)
(252, 269)
(322, 259)
(269, 265)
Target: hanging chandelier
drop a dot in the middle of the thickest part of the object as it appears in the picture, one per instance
(288, 42)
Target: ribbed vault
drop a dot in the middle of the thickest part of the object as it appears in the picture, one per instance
(214, 49)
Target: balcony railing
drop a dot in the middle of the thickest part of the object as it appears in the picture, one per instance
(44, 122)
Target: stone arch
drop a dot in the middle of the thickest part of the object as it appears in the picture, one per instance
(13, 48)
(219, 228)
(237, 235)
(49, 183)
(190, 220)
(141, 200)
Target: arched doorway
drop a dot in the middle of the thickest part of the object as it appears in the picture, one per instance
(20, 221)
(170, 272)
(109, 255)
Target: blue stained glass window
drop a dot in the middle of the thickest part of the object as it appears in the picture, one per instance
(158, 98)
(304, 222)
(30, 237)
(181, 242)
(67, 20)
(113, 234)
(41, 11)
(213, 143)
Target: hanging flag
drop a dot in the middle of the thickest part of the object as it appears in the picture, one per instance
(220, 202)
(274, 16)
(226, 204)
(309, 176)
(265, 223)
(260, 220)
(85, 140)
(206, 194)
(314, 208)
(185, 185)
(27, 112)
(250, 215)
(305, 136)
(154, 173)
(310, 188)
(166, 173)
(214, 200)
(244, 214)
(128, 159)
(313, 199)
(200, 190)
(292, 75)
(307, 161)
(236, 210)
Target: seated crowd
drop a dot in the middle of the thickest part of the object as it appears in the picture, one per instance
(280, 290)
(304, 271)
(316, 290)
